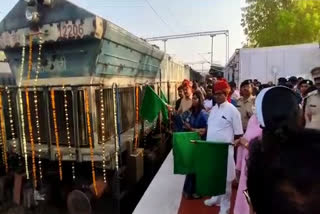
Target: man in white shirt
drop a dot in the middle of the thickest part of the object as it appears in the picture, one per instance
(235, 93)
(224, 125)
(209, 102)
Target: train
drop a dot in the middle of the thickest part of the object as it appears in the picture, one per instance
(79, 83)
(267, 64)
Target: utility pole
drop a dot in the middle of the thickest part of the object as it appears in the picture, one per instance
(212, 34)
(212, 37)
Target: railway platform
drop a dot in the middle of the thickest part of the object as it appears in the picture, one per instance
(164, 195)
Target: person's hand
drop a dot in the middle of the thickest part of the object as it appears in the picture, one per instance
(202, 132)
(237, 142)
(241, 142)
(244, 142)
(208, 109)
(187, 126)
(170, 108)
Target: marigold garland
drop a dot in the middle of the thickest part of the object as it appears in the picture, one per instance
(33, 153)
(3, 135)
(24, 140)
(56, 132)
(87, 110)
(136, 134)
(34, 170)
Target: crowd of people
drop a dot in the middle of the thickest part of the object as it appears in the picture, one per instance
(275, 132)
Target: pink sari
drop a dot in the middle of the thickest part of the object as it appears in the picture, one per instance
(253, 131)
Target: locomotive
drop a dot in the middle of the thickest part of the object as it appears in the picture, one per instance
(80, 80)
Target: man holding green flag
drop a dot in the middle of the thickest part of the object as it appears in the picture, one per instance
(224, 125)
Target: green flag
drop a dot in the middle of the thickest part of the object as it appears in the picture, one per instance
(164, 111)
(183, 152)
(163, 97)
(151, 106)
(207, 160)
(211, 162)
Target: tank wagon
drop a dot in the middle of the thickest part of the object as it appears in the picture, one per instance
(80, 80)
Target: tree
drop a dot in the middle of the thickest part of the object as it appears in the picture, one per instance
(2, 56)
(281, 22)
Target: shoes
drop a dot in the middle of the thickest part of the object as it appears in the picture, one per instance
(187, 196)
(224, 212)
(213, 201)
(190, 197)
(195, 196)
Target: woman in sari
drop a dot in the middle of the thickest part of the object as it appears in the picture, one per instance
(196, 122)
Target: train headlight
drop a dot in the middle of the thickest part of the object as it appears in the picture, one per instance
(32, 15)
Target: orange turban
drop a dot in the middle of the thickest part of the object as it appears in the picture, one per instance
(223, 85)
(187, 83)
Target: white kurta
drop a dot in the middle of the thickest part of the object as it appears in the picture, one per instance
(208, 104)
(223, 124)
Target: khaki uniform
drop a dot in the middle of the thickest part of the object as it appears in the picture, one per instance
(246, 108)
(312, 110)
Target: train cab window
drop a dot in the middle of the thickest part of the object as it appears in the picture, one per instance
(83, 136)
(61, 118)
(109, 115)
(127, 109)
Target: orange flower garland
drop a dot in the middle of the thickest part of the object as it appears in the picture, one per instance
(23, 133)
(34, 169)
(87, 110)
(3, 136)
(56, 132)
(136, 134)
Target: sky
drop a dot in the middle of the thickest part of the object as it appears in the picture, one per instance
(169, 17)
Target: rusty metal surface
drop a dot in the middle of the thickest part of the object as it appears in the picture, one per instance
(91, 27)
(62, 10)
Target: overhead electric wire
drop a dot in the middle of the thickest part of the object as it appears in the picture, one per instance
(157, 14)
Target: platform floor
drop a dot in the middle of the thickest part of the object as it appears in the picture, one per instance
(164, 195)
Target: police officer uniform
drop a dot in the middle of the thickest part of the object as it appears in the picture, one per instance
(312, 103)
(246, 106)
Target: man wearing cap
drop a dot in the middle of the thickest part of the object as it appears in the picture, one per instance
(312, 103)
(224, 125)
(294, 81)
(282, 81)
(303, 87)
(245, 104)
